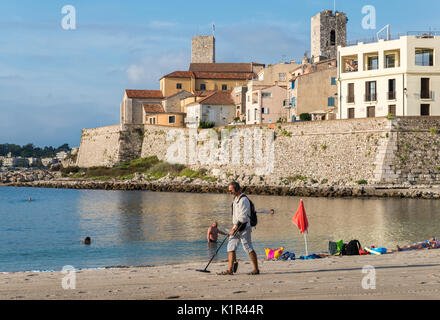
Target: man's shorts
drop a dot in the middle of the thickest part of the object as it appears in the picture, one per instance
(244, 237)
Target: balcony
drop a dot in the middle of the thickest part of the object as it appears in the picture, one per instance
(427, 95)
(392, 95)
(371, 97)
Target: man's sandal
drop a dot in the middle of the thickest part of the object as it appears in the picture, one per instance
(225, 273)
(254, 273)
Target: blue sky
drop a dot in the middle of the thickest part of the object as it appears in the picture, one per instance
(56, 82)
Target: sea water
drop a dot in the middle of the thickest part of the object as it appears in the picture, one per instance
(141, 228)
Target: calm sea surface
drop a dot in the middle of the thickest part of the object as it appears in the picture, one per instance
(135, 228)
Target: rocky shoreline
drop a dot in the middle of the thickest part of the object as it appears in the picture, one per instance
(47, 179)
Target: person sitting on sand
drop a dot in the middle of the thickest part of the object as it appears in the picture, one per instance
(432, 243)
(213, 232)
(87, 241)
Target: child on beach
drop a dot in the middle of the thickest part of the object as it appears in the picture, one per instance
(432, 243)
(213, 232)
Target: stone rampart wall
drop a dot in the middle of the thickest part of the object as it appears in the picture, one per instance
(377, 151)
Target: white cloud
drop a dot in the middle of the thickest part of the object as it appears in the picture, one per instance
(149, 70)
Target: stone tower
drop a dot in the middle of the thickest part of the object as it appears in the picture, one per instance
(203, 49)
(329, 30)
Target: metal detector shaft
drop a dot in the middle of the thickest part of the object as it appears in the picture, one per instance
(212, 258)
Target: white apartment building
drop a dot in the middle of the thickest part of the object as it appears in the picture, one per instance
(400, 77)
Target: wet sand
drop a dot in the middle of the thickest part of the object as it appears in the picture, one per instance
(403, 275)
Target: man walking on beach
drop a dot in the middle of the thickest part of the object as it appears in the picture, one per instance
(241, 230)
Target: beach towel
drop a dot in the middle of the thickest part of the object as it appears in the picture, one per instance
(310, 257)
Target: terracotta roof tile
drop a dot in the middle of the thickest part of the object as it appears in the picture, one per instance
(224, 75)
(143, 94)
(221, 67)
(179, 74)
(153, 108)
(218, 97)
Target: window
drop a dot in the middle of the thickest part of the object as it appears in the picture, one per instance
(282, 77)
(373, 62)
(349, 64)
(370, 91)
(333, 38)
(255, 114)
(266, 94)
(350, 95)
(392, 89)
(265, 110)
(425, 92)
(179, 86)
(224, 87)
(350, 113)
(425, 57)
(171, 119)
(203, 86)
(371, 112)
(331, 102)
(333, 81)
(293, 84)
(392, 109)
(424, 110)
(390, 60)
(248, 115)
(152, 120)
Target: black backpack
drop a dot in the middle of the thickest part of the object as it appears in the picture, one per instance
(253, 216)
(351, 249)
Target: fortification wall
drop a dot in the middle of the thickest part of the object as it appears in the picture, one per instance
(378, 151)
(99, 147)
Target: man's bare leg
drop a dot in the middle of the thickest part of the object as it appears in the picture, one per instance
(253, 256)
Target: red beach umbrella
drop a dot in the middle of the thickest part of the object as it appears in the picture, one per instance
(300, 220)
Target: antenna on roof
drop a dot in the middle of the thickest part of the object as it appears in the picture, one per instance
(334, 6)
(213, 29)
(388, 32)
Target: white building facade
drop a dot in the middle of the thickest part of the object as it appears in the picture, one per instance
(399, 77)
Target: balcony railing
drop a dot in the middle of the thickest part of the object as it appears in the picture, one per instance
(426, 95)
(371, 97)
(392, 95)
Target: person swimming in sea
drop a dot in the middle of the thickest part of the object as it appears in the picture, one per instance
(213, 232)
(87, 241)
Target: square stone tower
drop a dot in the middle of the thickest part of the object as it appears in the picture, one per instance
(329, 30)
(203, 49)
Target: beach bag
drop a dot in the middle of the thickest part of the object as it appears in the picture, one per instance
(274, 254)
(352, 248)
(332, 248)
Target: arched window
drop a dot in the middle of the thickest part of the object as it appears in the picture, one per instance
(333, 38)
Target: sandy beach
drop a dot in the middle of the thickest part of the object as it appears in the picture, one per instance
(409, 275)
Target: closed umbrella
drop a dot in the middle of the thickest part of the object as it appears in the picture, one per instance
(300, 219)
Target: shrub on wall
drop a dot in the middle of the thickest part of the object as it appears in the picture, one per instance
(305, 117)
(206, 125)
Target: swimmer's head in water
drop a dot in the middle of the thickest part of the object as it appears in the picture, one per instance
(87, 240)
